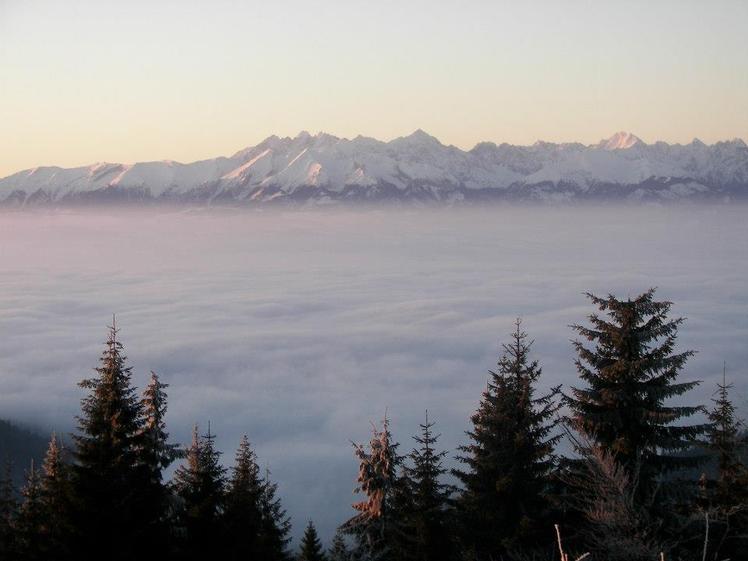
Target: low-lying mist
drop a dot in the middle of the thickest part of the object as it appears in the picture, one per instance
(299, 328)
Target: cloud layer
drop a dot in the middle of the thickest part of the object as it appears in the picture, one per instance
(300, 328)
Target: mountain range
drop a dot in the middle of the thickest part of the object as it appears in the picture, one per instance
(324, 169)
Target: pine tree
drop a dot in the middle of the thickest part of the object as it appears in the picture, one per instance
(402, 540)
(30, 523)
(311, 547)
(726, 495)
(199, 483)
(339, 549)
(56, 494)
(376, 528)
(155, 454)
(725, 441)
(105, 472)
(275, 524)
(242, 520)
(428, 518)
(503, 505)
(8, 509)
(630, 372)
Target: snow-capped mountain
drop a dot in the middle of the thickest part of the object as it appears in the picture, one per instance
(318, 169)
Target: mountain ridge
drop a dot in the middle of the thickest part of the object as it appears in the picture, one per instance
(323, 169)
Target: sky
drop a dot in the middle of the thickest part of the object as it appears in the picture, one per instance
(300, 328)
(87, 81)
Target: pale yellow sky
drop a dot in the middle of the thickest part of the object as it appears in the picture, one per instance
(87, 81)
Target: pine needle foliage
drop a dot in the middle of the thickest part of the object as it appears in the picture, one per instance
(724, 497)
(509, 459)
(377, 526)
(339, 550)
(724, 439)
(428, 520)
(199, 483)
(57, 496)
(275, 523)
(155, 454)
(311, 546)
(106, 472)
(630, 370)
(242, 519)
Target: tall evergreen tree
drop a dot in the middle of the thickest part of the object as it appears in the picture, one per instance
(311, 548)
(509, 460)
(56, 494)
(200, 483)
(106, 474)
(242, 520)
(726, 496)
(377, 526)
(339, 549)
(630, 372)
(726, 442)
(155, 454)
(428, 518)
(275, 524)
(30, 523)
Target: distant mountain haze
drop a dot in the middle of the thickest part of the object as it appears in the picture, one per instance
(323, 169)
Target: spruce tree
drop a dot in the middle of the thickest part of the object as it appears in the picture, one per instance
(199, 483)
(275, 524)
(503, 504)
(428, 518)
(56, 494)
(725, 441)
(30, 523)
(311, 547)
(106, 475)
(726, 500)
(242, 520)
(630, 371)
(339, 549)
(377, 526)
(155, 454)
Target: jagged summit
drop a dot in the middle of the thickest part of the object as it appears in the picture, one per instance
(323, 168)
(418, 137)
(621, 140)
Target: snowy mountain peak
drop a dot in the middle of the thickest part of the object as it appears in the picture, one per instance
(419, 136)
(621, 140)
(323, 169)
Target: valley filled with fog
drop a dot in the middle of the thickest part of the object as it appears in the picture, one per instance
(299, 328)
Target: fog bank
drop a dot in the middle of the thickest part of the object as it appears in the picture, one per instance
(298, 328)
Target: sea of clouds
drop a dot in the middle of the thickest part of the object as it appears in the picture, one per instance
(301, 328)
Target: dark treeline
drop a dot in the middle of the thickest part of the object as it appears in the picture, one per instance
(646, 480)
(19, 442)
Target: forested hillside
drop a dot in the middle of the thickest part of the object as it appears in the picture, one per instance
(647, 480)
(18, 447)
